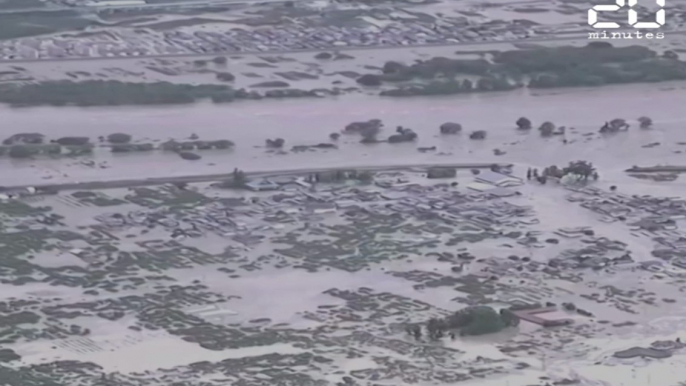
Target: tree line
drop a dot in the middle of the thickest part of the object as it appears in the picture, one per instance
(597, 63)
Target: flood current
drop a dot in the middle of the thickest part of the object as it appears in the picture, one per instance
(310, 121)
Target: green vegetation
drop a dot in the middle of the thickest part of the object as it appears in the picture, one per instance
(476, 320)
(275, 143)
(23, 151)
(592, 65)
(172, 145)
(132, 147)
(237, 181)
(115, 93)
(33, 23)
(569, 58)
(582, 170)
(441, 172)
(27, 150)
(119, 138)
(8, 355)
(341, 176)
(99, 93)
(225, 77)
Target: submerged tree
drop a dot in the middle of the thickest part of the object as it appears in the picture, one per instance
(119, 138)
(509, 318)
(275, 143)
(365, 176)
(239, 176)
(583, 169)
(523, 123)
(478, 134)
(547, 129)
(369, 134)
(435, 328)
(645, 122)
(450, 128)
(238, 180)
(476, 320)
(615, 125)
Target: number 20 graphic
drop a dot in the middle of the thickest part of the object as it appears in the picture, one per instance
(633, 15)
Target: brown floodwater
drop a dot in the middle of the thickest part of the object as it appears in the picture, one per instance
(310, 121)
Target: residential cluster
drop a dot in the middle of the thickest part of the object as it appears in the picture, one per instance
(296, 200)
(141, 42)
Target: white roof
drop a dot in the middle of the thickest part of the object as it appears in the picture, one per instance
(480, 186)
(497, 178)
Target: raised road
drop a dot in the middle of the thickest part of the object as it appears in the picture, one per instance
(128, 183)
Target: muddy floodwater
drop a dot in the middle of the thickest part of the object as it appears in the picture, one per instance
(319, 285)
(308, 122)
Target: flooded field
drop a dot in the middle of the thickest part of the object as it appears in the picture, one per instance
(319, 285)
(311, 122)
(540, 261)
(336, 278)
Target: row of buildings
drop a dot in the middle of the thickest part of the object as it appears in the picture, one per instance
(144, 42)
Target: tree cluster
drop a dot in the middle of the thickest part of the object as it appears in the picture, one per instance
(237, 180)
(478, 134)
(172, 145)
(103, 93)
(118, 138)
(523, 123)
(450, 128)
(475, 320)
(72, 141)
(275, 143)
(20, 151)
(567, 66)
(367, 129)
(581, 169)
(357, 127)
(441, 172)
(131, 147)
(559, 59)
(452, 87)
(24, 138)
(403, 134)
(335, 176)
